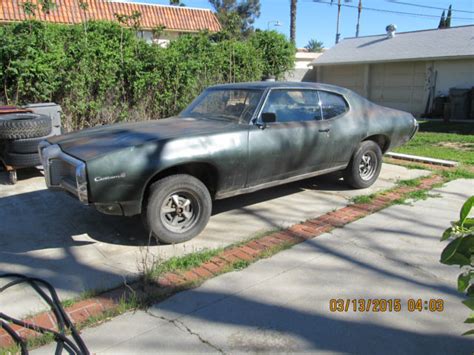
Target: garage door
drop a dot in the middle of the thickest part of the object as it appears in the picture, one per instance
(348, 76)
(398, 85)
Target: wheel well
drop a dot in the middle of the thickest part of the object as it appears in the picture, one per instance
(381, 140)
(205, 172)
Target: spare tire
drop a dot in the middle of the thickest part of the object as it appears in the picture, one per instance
(18, 160)
(24, 125)
(28, 145)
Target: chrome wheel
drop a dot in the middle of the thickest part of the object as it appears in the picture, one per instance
(367, 166)
(179, 212)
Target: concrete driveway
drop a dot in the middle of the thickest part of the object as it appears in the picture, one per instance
(52, 236)
(281, 304)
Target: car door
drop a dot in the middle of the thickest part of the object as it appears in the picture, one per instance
(292, 145)
(342, 131)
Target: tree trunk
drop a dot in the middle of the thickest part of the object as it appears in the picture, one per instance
(293, 21)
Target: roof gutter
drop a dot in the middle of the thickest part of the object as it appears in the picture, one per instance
(418, 59)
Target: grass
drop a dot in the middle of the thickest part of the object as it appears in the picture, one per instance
(363, 198)
(409, 183)
(83, 296)
(369, 198)
(449, 141)
(457, 173)
(183, 263)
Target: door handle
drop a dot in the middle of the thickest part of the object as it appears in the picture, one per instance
(325, 130)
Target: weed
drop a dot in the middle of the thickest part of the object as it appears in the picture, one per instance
(410, 183)
(363, 198)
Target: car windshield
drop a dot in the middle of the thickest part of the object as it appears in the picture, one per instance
(227, 104)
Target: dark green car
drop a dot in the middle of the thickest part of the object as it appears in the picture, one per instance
(232, 139)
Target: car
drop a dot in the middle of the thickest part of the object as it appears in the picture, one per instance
(232, 139)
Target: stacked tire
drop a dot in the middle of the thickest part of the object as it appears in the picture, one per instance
(20, 134)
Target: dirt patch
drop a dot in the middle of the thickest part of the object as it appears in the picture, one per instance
(467, 147)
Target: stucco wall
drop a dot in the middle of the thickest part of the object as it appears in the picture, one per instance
(454, 73)
(401, 85)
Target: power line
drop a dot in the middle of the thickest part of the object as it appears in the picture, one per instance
(427, 6)
(392, 11)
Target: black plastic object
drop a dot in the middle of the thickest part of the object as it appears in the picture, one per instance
(24, 125)
(75, 345)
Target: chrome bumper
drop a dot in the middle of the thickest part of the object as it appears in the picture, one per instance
(64, 172)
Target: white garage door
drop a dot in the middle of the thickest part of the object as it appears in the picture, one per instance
(348, 76)
(398, 85)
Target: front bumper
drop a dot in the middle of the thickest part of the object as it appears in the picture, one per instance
(64, 172)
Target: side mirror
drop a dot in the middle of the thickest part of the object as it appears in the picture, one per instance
(269, 117)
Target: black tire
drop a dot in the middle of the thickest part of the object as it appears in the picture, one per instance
(19, 160)
(192, 211)
(364, 167)
(25, 146)
(24, 125)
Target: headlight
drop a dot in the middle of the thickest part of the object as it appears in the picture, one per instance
(81, 181)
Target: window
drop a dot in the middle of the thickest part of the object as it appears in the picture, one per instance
(236, 105)
(332, 104)
(294, 105)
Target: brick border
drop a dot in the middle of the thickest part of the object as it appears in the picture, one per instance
(252, 250)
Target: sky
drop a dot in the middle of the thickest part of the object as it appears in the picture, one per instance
(318, 20)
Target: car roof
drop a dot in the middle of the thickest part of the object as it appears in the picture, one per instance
(281, 84)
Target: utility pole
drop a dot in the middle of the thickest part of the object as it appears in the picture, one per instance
(338, 15)
(359, 10)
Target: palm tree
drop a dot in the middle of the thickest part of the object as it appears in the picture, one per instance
(293, 21)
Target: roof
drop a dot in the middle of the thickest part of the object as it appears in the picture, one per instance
(261, 85)
(417, 45)
(174, 18)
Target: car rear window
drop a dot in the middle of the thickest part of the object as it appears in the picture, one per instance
(332, 104)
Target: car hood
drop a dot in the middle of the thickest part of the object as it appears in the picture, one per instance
(94, 142)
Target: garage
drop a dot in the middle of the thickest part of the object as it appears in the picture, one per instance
(348, 76)
(405, 70)
(398, 85)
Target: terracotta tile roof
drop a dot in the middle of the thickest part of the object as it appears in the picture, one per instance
(174, 18)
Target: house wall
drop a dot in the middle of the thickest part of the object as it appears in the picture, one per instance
(163, 40)
(454, 73)
(302, 69)
(401, 85)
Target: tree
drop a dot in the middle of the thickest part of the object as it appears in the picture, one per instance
(47, 6)
(293, 21)
(29, 8)
(176, 3)
(237, 17)
(448, 18)
(442, 21)
(277, 52)
(314, 46)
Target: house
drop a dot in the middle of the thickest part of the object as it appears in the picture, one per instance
(174, 20)
(303, 59)
(405, 70)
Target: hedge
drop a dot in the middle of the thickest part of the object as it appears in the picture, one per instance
(100, 72)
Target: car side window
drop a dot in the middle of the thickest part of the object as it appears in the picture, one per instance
(293, 105)
(332, 104)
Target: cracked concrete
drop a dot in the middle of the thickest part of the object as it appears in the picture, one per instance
(281, 304)
(180, 325)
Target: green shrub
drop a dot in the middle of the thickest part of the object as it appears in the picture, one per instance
(102, 73)
(460, 252)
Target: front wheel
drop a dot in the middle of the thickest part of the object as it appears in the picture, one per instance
(364, 167)
(178, 208)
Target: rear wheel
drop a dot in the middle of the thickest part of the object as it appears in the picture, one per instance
(364, 167)
(178, 208)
